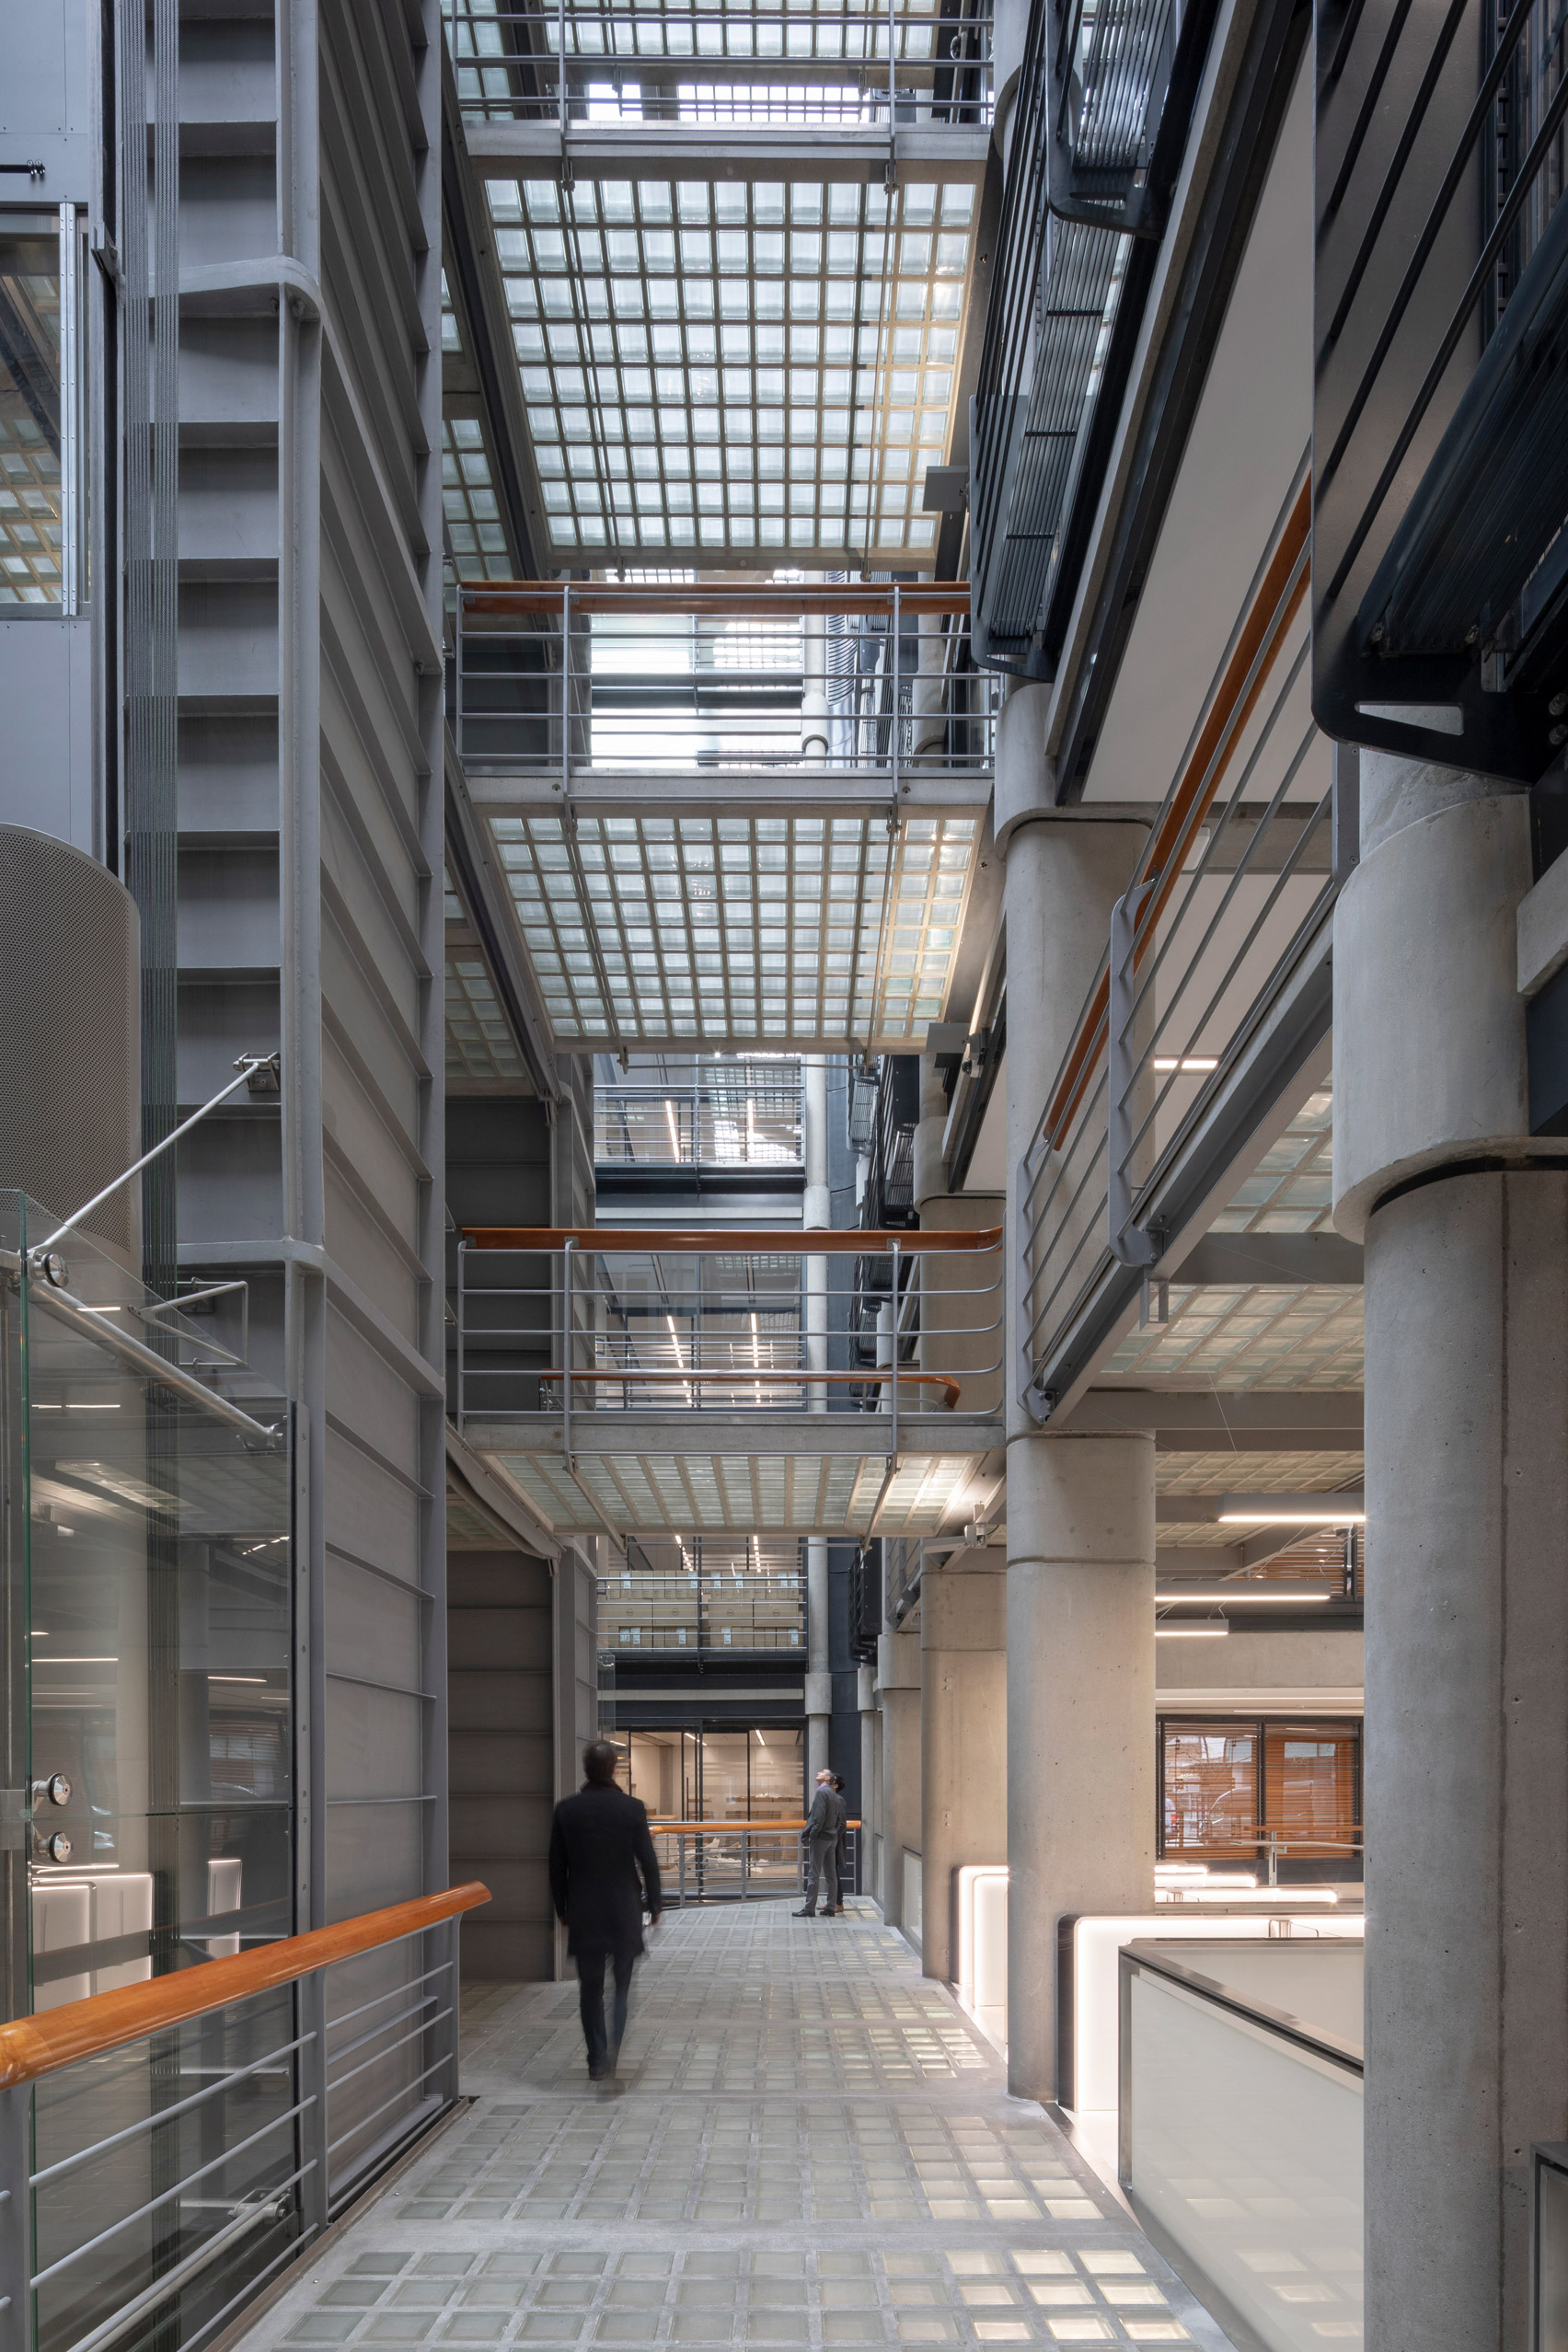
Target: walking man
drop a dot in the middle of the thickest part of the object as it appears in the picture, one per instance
(603, 1873)
(821, 1840)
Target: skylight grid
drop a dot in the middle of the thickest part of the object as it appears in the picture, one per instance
(766, 928)
(479, 1044)
(468, 502)
(736, 365)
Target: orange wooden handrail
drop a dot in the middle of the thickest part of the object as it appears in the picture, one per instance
(807, 1241)
(663, 1828)
(745, 1375)
(1201, 778)
(81, 2029)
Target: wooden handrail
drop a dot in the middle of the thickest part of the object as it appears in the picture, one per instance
(1201, 778)
(81, 2029)
(663, 1828)
(806, 1241)
(749, 1375)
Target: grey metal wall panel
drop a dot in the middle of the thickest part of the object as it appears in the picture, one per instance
(47, 772)
(500, 1686)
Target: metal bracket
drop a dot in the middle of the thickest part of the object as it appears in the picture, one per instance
(222, 1357)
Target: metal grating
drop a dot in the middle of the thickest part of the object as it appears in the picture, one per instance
(701, 1494)
(765, 928)
(474, 529)
(1291, 1191)
(480, 1048)
(736, 365)
(1305, 1336)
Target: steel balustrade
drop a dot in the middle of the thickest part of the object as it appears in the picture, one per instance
(745, 1114)
(1228, 901)
(738, 1861)
(872, 687)
(553, 1323)
(903, 61)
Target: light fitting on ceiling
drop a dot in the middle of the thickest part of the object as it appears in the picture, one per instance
(1347, 1510)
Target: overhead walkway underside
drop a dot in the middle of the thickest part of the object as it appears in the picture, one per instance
(812, 2146)
(712, 1473)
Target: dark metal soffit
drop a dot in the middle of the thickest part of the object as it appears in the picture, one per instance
(469, 255)
(1236, 183)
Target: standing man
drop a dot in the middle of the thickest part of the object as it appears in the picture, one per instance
(821, 1840)
(604, 1873)
(841, 1846)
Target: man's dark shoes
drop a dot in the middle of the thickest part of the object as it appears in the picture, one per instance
(802, 1915)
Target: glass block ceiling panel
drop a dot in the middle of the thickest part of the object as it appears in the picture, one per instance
(468, 501)
(781, 930)
(736, 365)
(708, 1494)
(481, 1051)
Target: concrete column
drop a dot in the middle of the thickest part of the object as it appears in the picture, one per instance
(898, 1682)
(1080, 1764)
(964, 1761)
(1080, 1510)
(871, 1755)
(1467, 1496)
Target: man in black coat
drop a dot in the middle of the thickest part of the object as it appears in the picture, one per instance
(603, 1872)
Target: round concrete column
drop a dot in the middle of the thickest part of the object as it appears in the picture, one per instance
(1467, 1610)
(964, 1758)
(898, 1681)
(1079, 1712)
(1080, 1510)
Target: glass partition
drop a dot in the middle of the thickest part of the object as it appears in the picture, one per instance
(1240, 2144)
(148, 1618)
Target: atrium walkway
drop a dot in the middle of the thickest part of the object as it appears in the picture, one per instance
(811, 2145)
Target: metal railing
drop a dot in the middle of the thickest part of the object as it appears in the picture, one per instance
(236, 2166)
(557, 1324)
(1228, 903)
(739, 1861)
(832, 62)
(750, 1606)
(747, 1116)
(1441, 456)
(572, 682)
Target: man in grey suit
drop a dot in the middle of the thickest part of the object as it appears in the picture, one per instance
(821, 1840)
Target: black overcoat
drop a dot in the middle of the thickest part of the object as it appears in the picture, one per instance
(603, 1872)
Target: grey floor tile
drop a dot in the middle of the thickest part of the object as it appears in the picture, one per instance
(809, 2148)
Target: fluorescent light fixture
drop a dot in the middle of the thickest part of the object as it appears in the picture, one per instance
(1211, 1594)
(1345, 1510)
(55, 1661)
(1191, 1633)
(1199, 1065)
(237, 1677)
(1275, 1897)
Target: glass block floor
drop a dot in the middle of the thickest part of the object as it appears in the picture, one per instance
(809, 2145)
